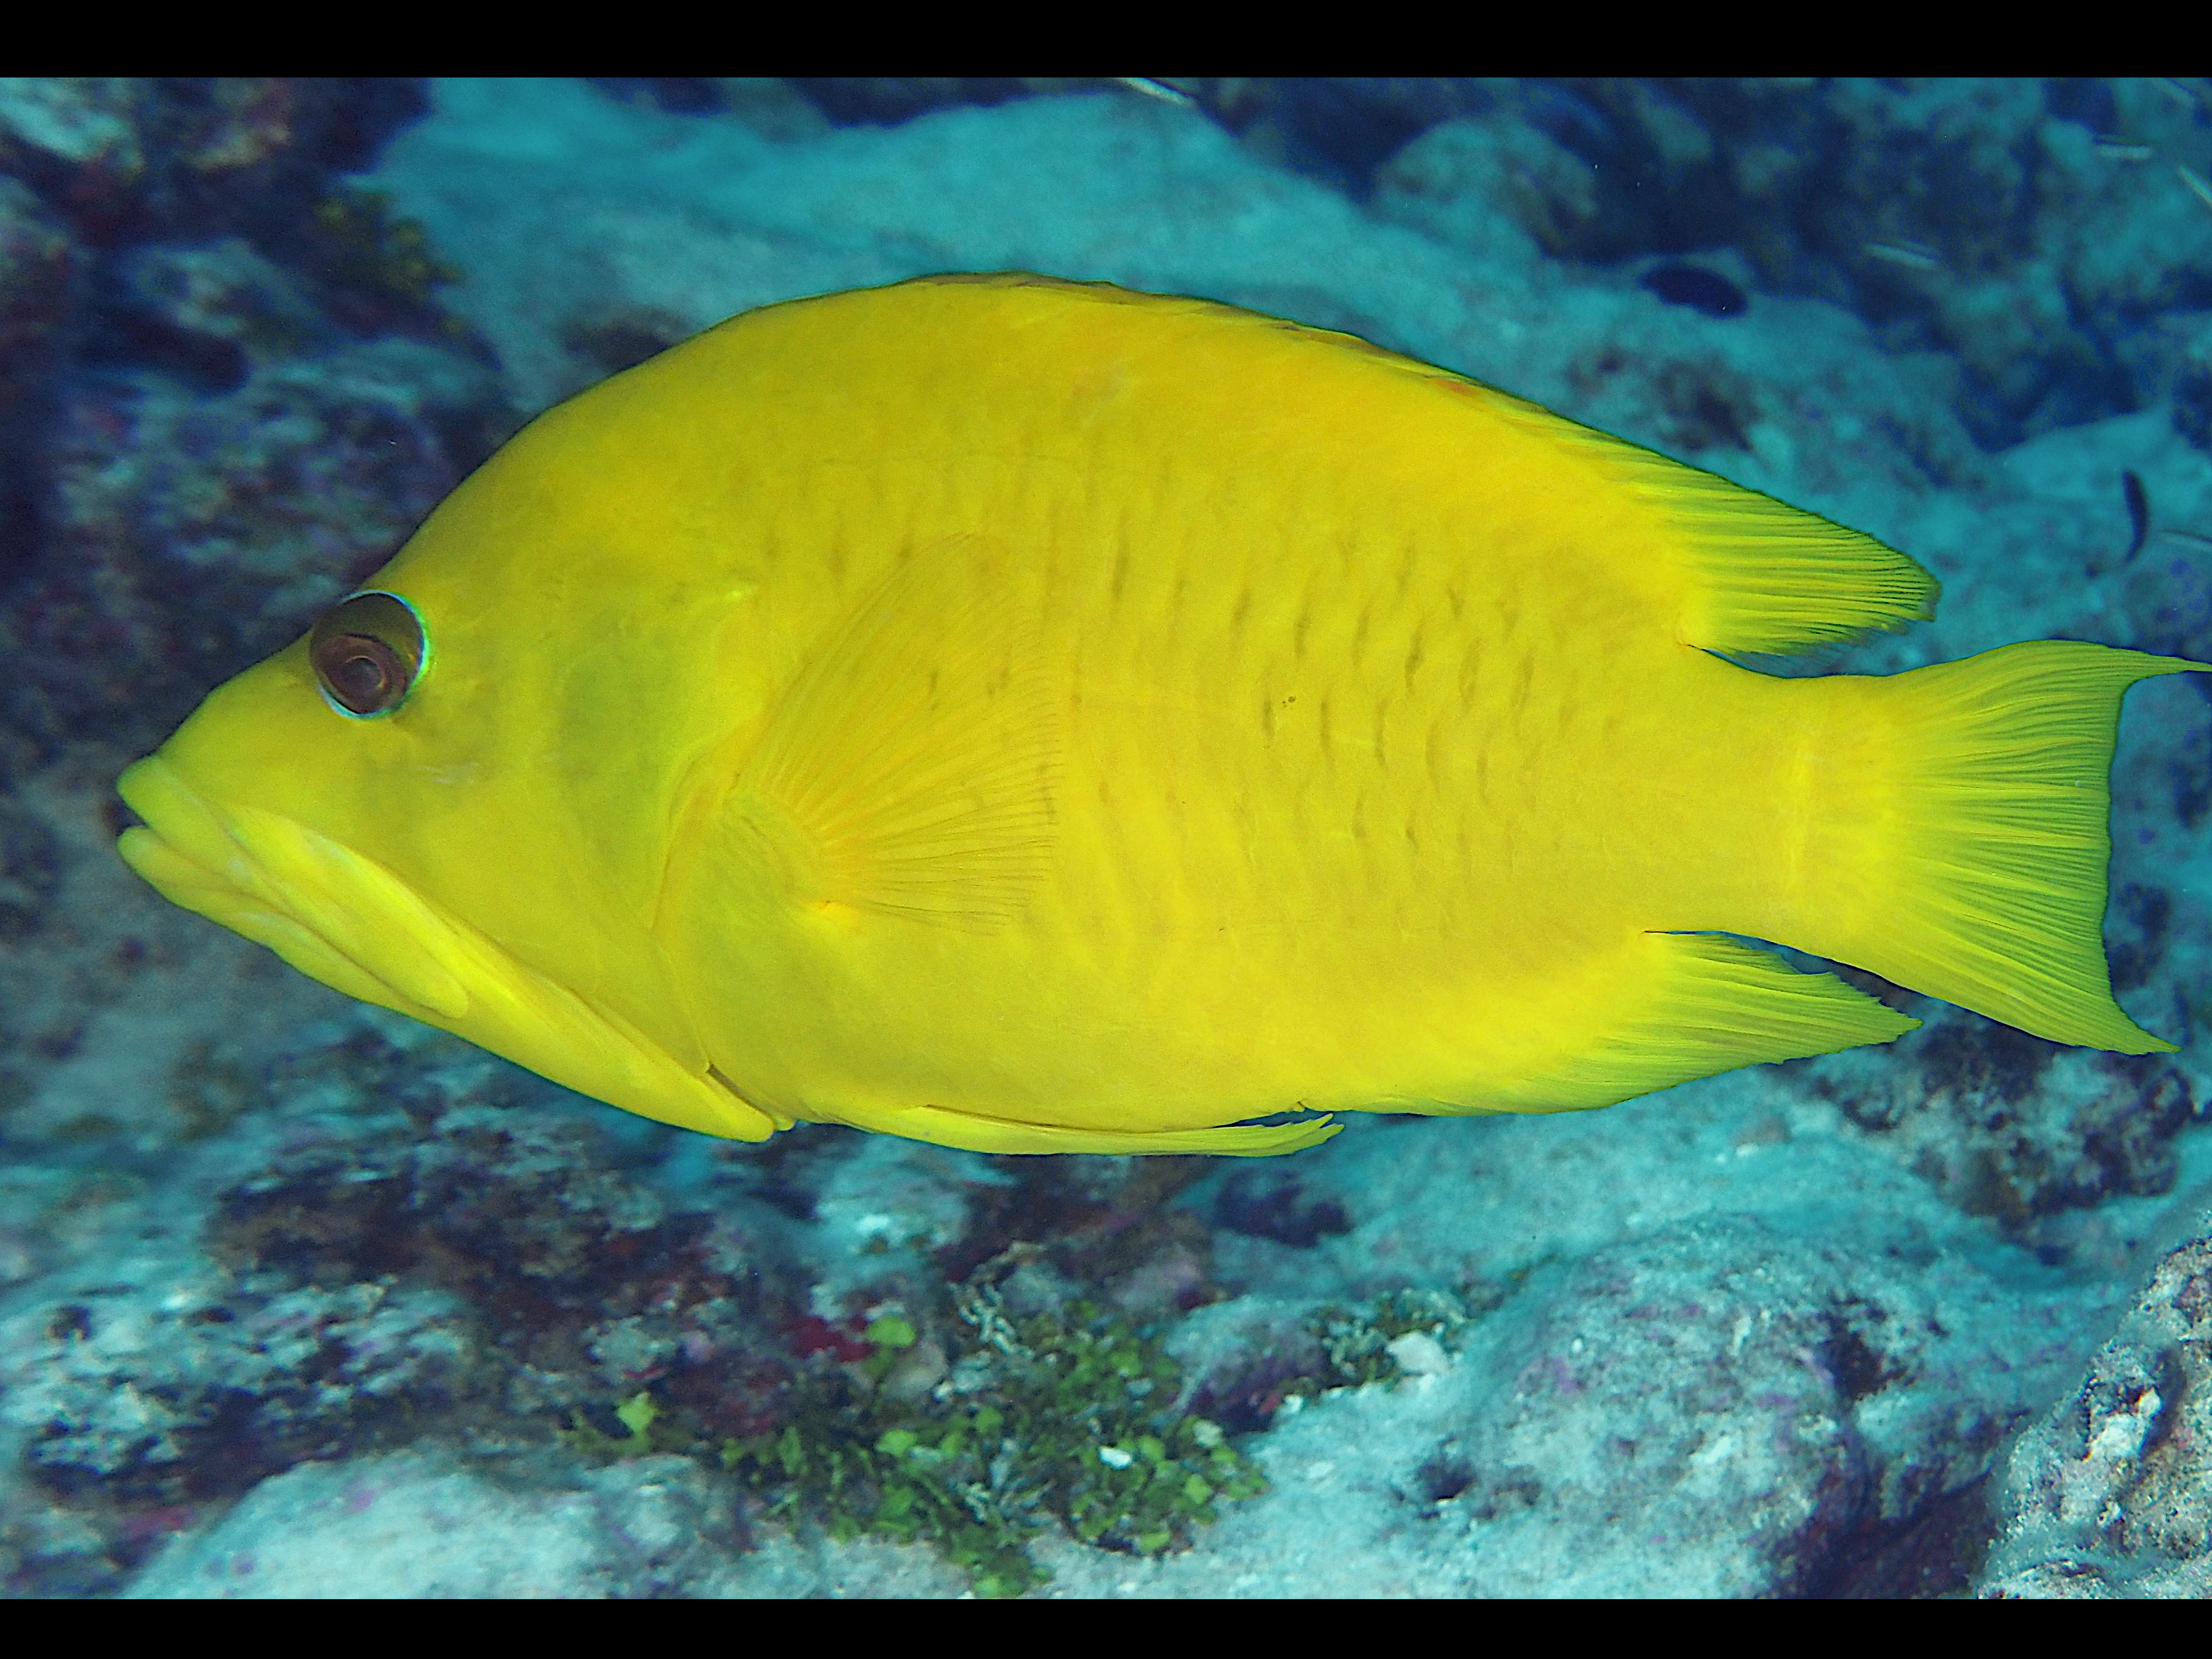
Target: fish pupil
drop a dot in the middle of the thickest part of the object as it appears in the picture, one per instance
(362, 673)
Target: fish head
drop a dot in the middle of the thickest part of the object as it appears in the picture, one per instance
(453, 797)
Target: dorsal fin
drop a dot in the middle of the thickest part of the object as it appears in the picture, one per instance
(1761, 575)
(1758, 575)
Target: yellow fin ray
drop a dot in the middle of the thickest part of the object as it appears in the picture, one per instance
(912, 768)
(1991, 860)
(1760, 575)
(1712, 1005)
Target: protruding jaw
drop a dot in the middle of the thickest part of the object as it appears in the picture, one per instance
(345, 920)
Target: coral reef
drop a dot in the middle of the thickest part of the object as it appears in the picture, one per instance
(2110, 1493)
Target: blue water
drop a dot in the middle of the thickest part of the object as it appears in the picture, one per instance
(297, 1298)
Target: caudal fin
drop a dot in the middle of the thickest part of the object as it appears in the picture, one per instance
(1972, 864)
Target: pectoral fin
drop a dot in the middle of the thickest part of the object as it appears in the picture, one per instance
(911, 767)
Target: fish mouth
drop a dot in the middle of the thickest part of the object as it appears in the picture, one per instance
(332, 914)
(345, 920)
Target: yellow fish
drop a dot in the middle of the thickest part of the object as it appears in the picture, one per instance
(1036, 717)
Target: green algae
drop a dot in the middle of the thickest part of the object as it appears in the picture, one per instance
(1067, 1415)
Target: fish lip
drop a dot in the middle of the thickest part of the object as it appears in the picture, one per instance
(223, 865)
(340, 917)
(179, 845)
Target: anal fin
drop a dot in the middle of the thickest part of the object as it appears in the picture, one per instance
(1709, 1005)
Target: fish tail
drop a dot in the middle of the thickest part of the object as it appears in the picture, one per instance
(1962, 851)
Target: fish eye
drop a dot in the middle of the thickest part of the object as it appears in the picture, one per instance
(368, 650)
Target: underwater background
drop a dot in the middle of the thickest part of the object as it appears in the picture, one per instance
(299, 1298)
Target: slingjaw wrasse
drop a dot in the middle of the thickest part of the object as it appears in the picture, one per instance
(1036, 717)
